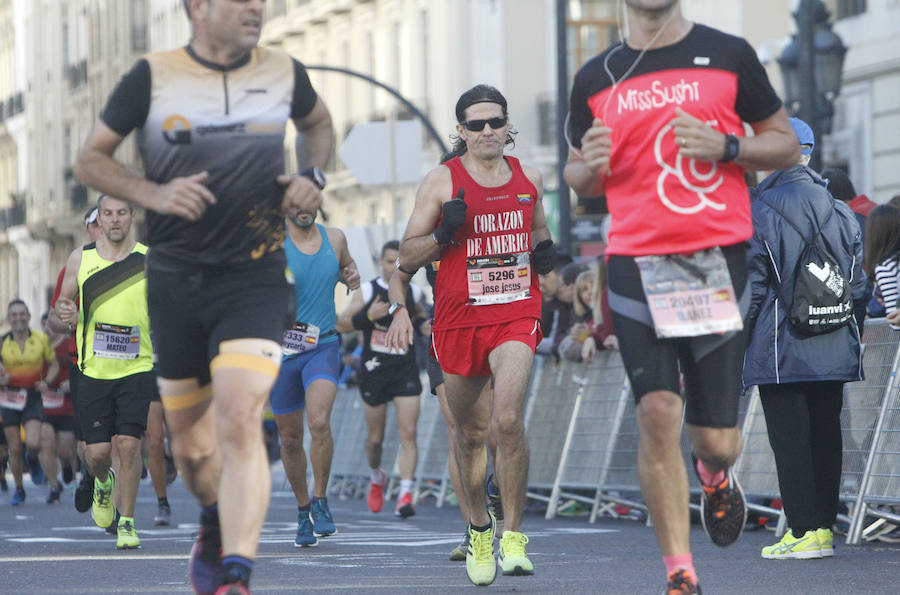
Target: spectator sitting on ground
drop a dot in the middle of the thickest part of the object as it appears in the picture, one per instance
(593, 320)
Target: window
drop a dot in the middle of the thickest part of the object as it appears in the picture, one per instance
(849, 8)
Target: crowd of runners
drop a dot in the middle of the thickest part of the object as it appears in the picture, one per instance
(230, 304)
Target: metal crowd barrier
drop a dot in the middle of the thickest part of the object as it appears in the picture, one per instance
(582, 431)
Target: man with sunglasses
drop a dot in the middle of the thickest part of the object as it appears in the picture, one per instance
(656, 125)
(480, 212)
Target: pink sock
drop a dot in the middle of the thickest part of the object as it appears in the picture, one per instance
(680, 562)
(707, 477)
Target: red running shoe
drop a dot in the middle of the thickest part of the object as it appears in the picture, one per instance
(232, 589)
(405, 506)
(376, 493)
(681, 584)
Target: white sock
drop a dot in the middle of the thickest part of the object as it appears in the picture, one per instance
(377, 476)
(405, 486)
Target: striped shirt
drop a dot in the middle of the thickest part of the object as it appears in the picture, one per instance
(886, 279)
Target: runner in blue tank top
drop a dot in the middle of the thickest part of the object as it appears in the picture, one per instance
(317, 258)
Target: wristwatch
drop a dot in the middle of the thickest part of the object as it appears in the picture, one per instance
(732, 148)
(316, 175)
(394, 307)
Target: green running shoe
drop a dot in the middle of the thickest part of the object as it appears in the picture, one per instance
(102, 510)
(459, 552)
(805, 547)
(480, 566)
(826, 542)
(127, 536)
(512, 559)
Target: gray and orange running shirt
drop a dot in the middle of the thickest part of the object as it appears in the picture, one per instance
(193, 116)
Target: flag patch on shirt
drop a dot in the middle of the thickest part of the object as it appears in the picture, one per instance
(524, 199)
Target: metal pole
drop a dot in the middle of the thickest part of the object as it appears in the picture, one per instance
(806, 75)
(428, 125)
(562, 102)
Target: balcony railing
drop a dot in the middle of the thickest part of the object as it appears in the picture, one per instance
(12, 106)
(14, 215)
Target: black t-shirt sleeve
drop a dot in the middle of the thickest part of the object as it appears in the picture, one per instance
(580, 116)
(756, 99)
(304, 98)
(129, 103)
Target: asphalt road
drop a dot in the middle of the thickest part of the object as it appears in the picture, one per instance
(53, 549)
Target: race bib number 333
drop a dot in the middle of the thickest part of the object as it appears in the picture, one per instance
(498, 279)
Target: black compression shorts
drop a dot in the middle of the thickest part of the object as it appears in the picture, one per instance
(195, 308)
(382, 386)
(34, 408)
(711, 364)
(109, 407)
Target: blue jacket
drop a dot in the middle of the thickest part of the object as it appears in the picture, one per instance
(777, 353)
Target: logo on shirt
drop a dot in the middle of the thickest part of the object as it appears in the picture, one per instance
(176, 130)
(524, 199)
(698, 178)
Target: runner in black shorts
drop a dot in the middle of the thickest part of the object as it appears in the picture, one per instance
(386, 376)
(656, 125)
(211, 119)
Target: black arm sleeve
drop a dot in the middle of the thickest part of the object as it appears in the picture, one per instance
(756, 99)
(304, 95)
(129, 103)
(580, 116)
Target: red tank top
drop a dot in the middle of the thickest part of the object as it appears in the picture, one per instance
(486, 277)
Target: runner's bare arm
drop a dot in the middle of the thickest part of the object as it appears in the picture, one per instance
(773, 146)
(315, 136)
(348, 272)
(539, 229)
(400, 333)
(52, 372)
(587, 168)
(185, 197)
(66, 312)
(419, 247)
(344, 322)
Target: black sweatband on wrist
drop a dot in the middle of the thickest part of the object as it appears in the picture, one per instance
(403, 270)
(361, 320)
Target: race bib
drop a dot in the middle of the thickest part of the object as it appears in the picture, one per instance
(498, 279)
(52, 399)
(378, 343)
(117, 342)
(300, 339)
(690, 295)
(14, 398)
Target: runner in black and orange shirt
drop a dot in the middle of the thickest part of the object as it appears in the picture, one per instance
(656, 126)
(493, 241)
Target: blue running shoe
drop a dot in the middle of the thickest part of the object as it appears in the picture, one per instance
(36, 472)
(305, 535)
(323, 523)
(205, 567)
(18, 497)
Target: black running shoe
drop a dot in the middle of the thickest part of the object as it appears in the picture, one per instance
(67, 473)
(114, 528)
(723, 509)
(494, 504)
(205, 567)
(53, 497)
(681, 584)
(84, 493)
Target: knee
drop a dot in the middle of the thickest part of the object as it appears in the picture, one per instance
(408, 436)
(240, 427)
(660, 409)
(470, 437)
(717, 446)
(319, 428)
(127, 446)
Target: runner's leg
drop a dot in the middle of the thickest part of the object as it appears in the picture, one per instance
(48, 457)
(375, 420)
(128, 477)
(452, 466)
(511, 367)
(472, 415)
(320, 397)
(407, 409)
(293, 456)
(156, 461)
(16, 453)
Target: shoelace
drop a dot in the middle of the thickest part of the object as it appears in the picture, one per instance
(482, 544)
(323, 511)
(515, 544)
(680, 582)
(127, 528)
(103, 496)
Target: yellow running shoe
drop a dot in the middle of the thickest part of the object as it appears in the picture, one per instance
(513, 559)
(102, 509)
(802, 548)
(480, 566)
(128, 537)
(826, 542)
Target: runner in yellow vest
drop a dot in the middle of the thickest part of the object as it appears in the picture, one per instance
(115, 358)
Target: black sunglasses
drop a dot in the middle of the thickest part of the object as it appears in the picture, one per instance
(478, 125)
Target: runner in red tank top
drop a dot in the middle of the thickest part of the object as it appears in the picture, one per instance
(493, 241)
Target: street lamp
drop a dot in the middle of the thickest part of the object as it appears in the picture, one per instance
(812, 65)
